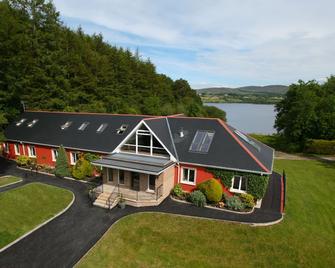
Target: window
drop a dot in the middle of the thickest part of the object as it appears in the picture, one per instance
(101, 128)
(17, 149)
(54, 154)
(246, 139)
(32, 123)
(66, 125)
(19, 123)
(121, 176)
(202, 141)
(6, 147)
(188, 176)
(239, 184)
(109, 175)
(74, 157)
(31, 151)
(83, 126)
(151, 183)
(122, 129)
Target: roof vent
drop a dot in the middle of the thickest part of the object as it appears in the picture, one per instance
(66, 125)
(19, 123)
(32, 123)
(122, 129)
(181, 133)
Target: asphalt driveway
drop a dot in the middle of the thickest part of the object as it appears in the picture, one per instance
(63, 241)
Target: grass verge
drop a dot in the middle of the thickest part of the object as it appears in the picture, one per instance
(5, 180)
(23, 208)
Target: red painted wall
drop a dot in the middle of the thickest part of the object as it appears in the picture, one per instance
(201, 175)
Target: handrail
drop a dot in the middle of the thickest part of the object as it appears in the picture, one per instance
(109, 199)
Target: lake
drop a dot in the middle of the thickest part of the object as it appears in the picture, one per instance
(249, 118)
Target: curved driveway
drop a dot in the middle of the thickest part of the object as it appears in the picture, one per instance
(63, 241)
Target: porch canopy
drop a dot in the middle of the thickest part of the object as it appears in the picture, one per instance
(137, 163)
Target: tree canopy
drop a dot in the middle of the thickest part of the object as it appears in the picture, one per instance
(307, 111)
(51, 67)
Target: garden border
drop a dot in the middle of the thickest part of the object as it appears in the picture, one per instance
(41, 224)
(211, 207)
(2, 186)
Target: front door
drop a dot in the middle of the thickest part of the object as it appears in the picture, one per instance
(135, 181)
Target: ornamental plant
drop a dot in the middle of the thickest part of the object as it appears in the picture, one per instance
(234, 203)
(22, 160)
(211, 189)
(177, 190)
(62, 164)
(197, 198)
(248, 200)
(82, 169)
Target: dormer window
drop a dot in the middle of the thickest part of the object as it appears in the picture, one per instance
(83, 126)
(122, 129)
(32, 123)
(19, 123)
(66, 125)
(101, 128)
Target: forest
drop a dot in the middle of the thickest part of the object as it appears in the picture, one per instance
(48, 66)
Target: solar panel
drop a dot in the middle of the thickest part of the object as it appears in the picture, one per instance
(202, 141)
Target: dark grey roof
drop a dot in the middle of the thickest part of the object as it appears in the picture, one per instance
(161, 128)
(140, 163)
(224, 152)
(48, 130)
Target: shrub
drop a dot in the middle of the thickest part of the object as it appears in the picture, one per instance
(62, 164)
(198, 198)
(234, 203)
(256, 185)
(177, 190)
(23, 160)
(320, 147)
(91, 157)
(211, 189)
(82, 169)
(247, 200)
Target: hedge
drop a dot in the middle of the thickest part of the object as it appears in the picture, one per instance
(256, 184)
(320, 147)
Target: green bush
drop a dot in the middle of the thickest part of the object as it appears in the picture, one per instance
(177, 190)
(224, 175)
(82, 169)
(256, 185)
(197, 198)
(212, 189)
(320, 147)
(234, 203)
(248, 200)
(62, 164)
(23, 160)
(91, 157)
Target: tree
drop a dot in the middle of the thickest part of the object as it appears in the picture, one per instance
(214, 112)
(62, 163)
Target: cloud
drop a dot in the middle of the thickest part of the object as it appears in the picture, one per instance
(227, 42)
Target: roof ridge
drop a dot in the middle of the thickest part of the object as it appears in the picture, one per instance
(92, 113)
(170, 133)
(243, 146)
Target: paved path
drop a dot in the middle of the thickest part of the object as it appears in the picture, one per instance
(63, 241)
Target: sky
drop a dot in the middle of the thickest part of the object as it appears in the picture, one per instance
(217, 42)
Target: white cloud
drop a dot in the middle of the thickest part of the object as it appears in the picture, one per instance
(251, 42)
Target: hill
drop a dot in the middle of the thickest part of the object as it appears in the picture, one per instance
(271, 89)
(51, 67)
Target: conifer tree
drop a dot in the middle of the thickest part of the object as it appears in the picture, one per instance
(62, 163)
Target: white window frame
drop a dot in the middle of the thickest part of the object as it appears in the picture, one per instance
(31, 149)
(54, 154)
(118, 177)
(6, 147)
(234, 190)
(148, 184)
(186, 181)
(72, 160)
(17, 149)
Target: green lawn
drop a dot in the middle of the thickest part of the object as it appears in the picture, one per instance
(25, 207)
(306, 237)
(8, 180)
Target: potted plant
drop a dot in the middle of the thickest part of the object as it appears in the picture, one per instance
(122, 202)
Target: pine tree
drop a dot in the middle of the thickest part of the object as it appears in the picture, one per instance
(62, 164)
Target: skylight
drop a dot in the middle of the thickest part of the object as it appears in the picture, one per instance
(66, 125)
(246, 139)
(122, 129)
(102, 128)
(32, 123)
(19, 123)
(202, 141)
(83, 126)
